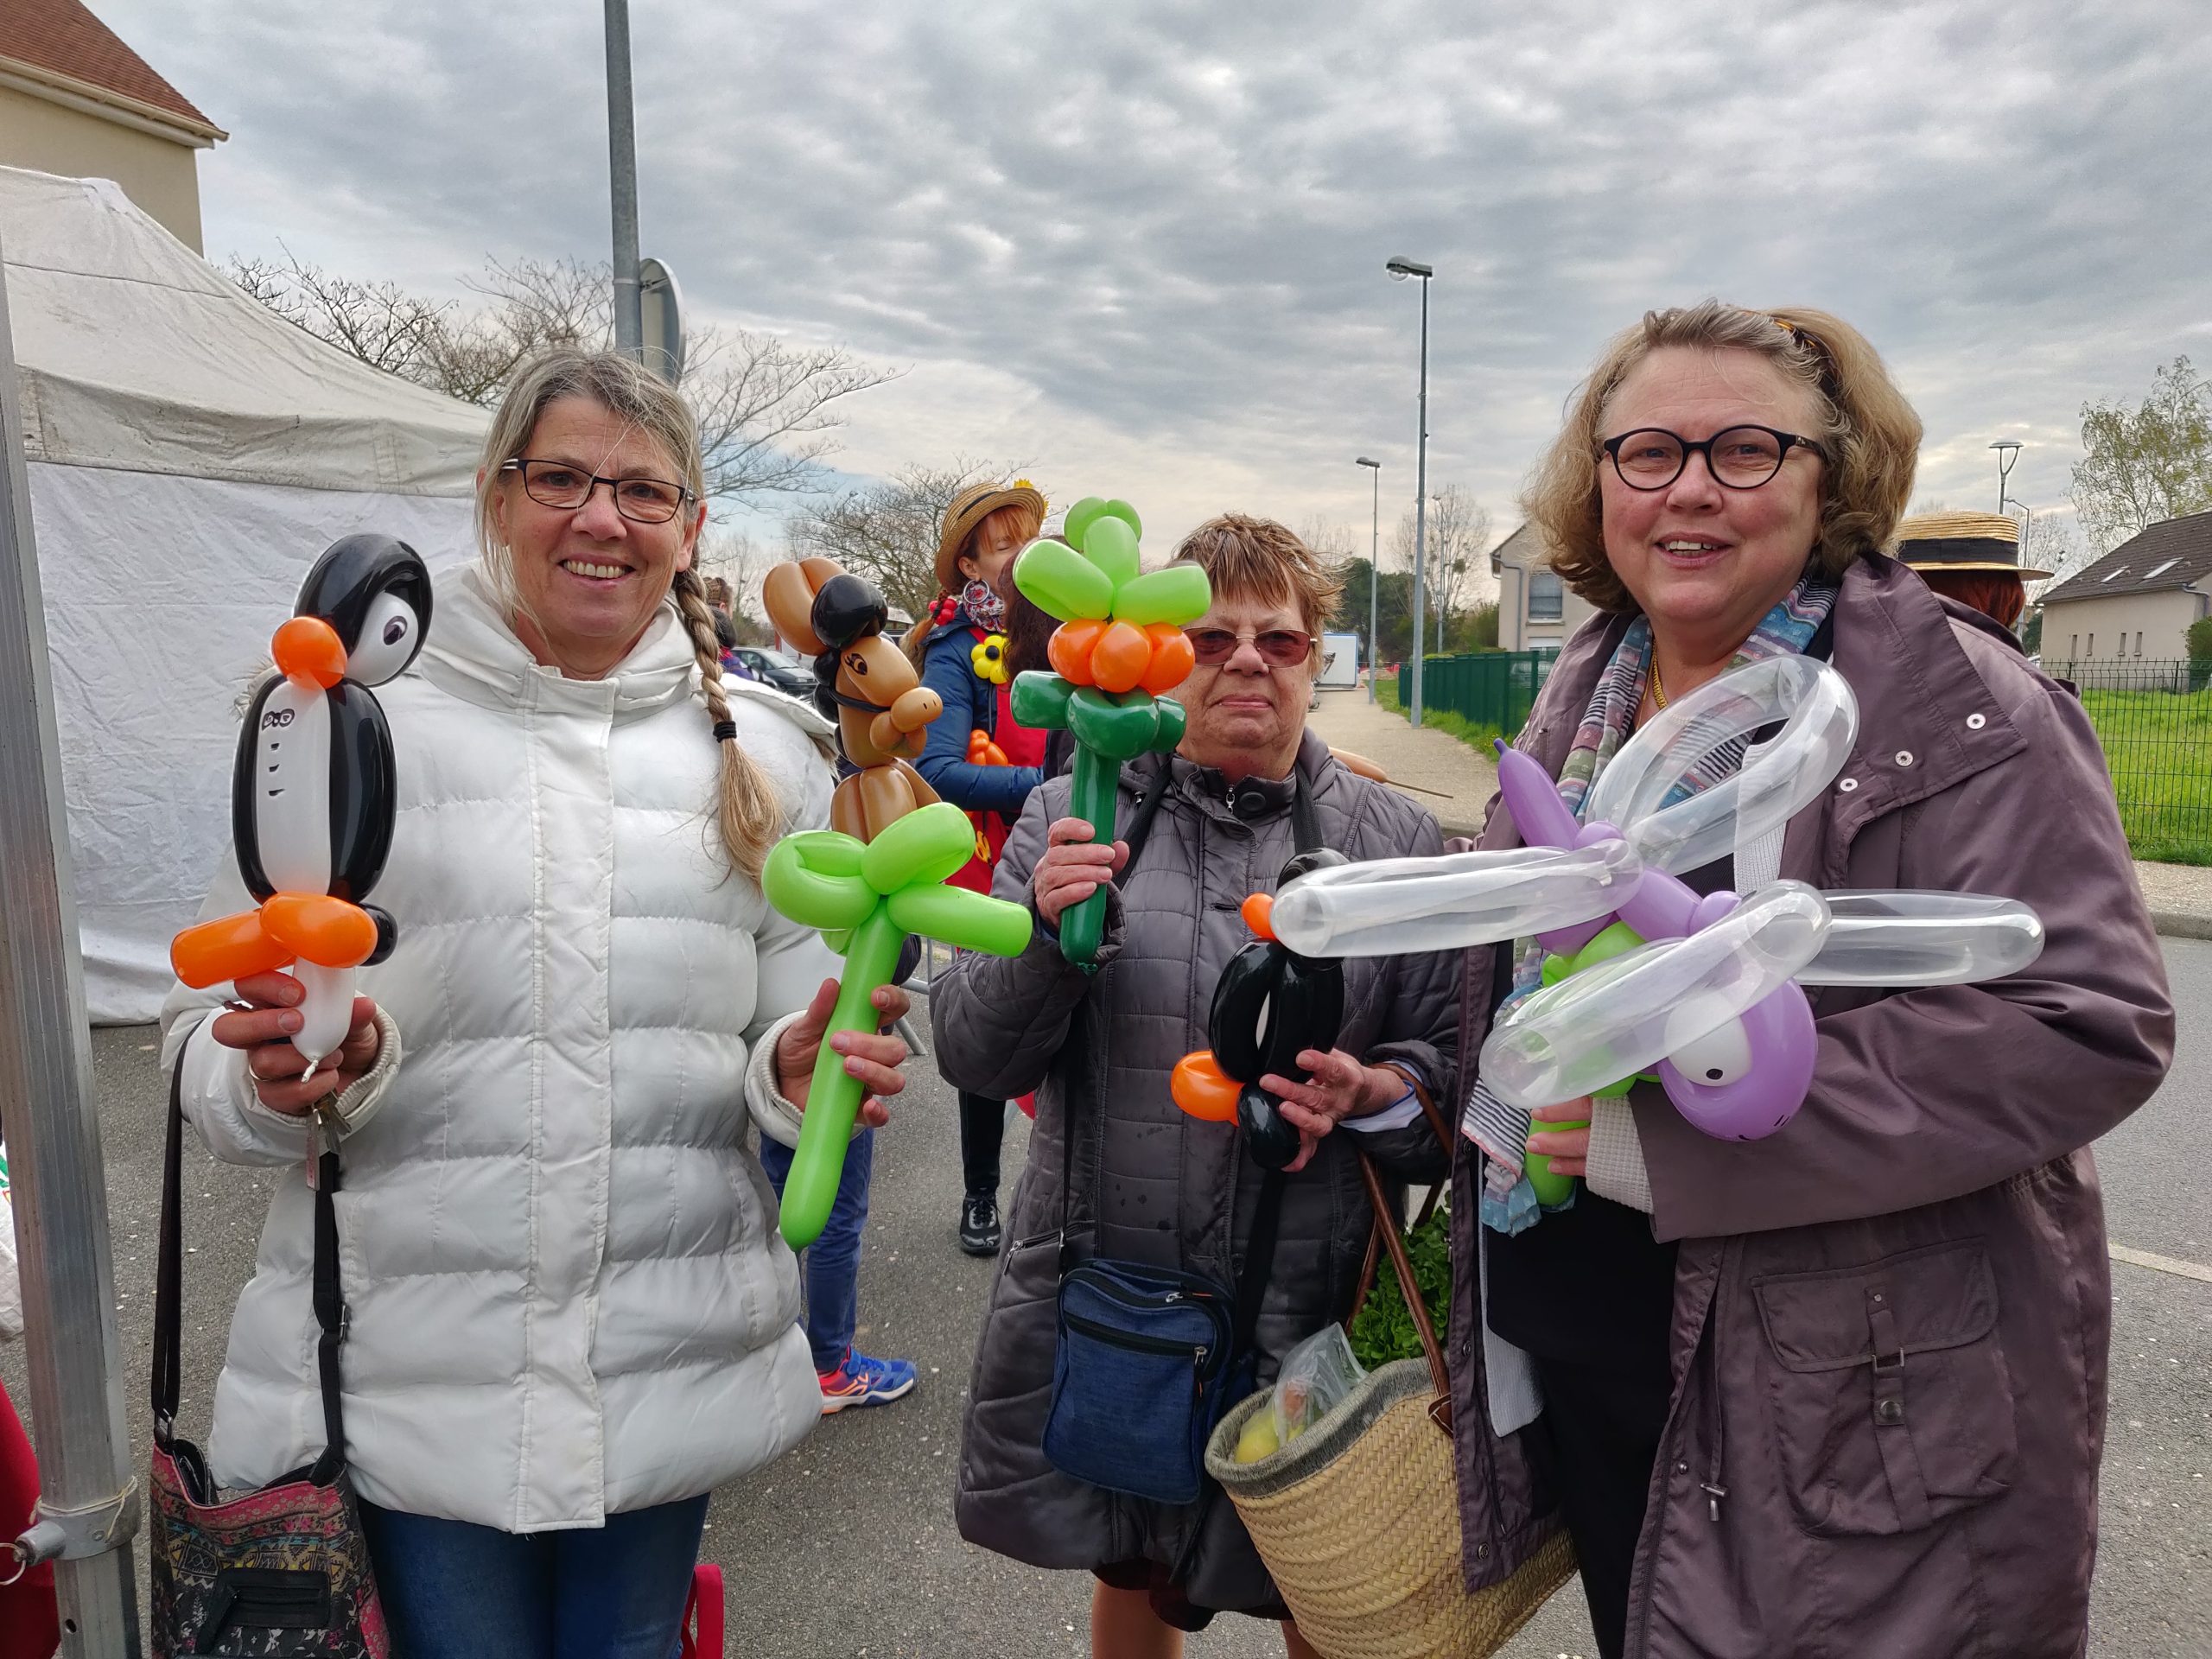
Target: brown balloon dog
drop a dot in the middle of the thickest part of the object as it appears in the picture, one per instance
(864, 683)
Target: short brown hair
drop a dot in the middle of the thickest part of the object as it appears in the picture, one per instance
(1262, 560)
(1993, 592)
(1868, 434)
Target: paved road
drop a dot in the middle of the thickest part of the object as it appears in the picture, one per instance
(847, 1547)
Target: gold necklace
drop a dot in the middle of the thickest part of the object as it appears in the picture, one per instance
(1658, 691)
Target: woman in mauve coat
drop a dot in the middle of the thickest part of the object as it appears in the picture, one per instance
(1840, 1390)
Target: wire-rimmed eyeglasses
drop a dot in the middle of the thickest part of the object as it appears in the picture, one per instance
(556, 484)
(1739, 458)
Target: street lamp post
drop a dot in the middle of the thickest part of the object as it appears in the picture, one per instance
(2008, 452)
(1400, 268)
(622, 171)
(1374, 556)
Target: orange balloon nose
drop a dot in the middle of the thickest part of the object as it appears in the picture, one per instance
(1259, 912)
(308, 648)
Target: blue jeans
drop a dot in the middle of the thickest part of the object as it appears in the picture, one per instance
(831, 1268)
(452, 1590)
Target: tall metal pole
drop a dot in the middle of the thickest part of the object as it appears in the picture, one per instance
(1420, 498)
(87, 1506)
(622, 167)
(1374, 562)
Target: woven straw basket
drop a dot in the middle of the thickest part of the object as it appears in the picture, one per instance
(1358, 1518)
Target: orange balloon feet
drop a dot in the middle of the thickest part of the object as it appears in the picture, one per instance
(1203, 1089)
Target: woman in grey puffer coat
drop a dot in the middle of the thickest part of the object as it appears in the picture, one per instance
(1149, 1184)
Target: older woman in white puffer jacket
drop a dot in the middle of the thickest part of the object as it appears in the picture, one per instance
(571, 1314)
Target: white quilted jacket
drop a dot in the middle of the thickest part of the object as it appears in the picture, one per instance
(569, 1296)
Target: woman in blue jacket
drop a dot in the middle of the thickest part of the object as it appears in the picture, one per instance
(977, 757)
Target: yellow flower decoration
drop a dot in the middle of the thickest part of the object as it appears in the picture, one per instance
(989, 658)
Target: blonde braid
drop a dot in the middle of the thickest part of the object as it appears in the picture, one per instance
(747, 809)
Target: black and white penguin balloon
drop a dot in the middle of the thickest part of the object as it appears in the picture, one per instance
(313, 795)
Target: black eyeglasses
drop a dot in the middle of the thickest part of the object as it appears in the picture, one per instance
(1741, 458)
(1281, 647)
(556, 484)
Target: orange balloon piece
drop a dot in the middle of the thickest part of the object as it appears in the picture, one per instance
(982, 752)
(1069, 650)
(1259, 914)
(317, 928)
(308, 648)
(1173, 659)
(1121, 658)
(230, 947)
(1202, 1091)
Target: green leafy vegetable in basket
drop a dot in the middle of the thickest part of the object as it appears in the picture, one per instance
(1383, 1329)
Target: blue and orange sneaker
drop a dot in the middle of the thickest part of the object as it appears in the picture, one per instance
(861, 1381)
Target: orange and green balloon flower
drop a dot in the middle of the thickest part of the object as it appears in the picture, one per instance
(1120, 645)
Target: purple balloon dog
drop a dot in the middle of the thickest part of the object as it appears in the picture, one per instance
(1737, 1096)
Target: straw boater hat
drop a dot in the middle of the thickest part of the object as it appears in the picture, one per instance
(968, 509)
(1963, 541)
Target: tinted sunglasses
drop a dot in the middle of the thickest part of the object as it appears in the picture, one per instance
(1281, 647)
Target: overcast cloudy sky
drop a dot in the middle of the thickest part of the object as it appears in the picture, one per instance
(1140, 246)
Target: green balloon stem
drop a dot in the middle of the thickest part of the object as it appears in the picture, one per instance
(1552, 1191)
(832, 1097)
(1090, 798)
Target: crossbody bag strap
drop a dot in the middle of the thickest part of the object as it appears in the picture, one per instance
(1139, 831)
(330, 1311)
(168, 1272)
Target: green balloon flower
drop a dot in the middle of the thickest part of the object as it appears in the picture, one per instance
(867, 898)
(1120, 644)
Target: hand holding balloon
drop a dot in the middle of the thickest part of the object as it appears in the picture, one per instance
(1559, 1149)
(1269, 1001)
(264, 1021)
(1074, 867)
(1337, 1087)
(873, 1059)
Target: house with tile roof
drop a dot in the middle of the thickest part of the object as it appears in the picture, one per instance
(75, 100)
(2138, 600)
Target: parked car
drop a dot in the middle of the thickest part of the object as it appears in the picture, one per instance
(774, 668)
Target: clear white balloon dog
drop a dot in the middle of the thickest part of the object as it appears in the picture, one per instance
(1643, 972)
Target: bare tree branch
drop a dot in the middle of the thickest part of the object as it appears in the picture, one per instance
(768, 410)
(888, 531)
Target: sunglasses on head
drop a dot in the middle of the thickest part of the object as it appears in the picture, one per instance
(1281, 647)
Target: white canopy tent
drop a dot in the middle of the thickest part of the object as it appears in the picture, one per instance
(190, 455)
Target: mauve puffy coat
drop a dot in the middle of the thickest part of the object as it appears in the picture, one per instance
(1150, 1184)
(1891, 1318)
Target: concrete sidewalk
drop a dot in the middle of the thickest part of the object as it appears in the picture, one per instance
(2179, 895)
(1463, 779)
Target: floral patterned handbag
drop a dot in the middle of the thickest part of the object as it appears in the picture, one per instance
(282, 1572)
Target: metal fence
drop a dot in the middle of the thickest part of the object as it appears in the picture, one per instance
(2155, 721)
(1494, 689)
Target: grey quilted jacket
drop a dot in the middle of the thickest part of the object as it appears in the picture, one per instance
(1151, 1184)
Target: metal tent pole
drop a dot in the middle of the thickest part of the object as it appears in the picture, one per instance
(88, 1502)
